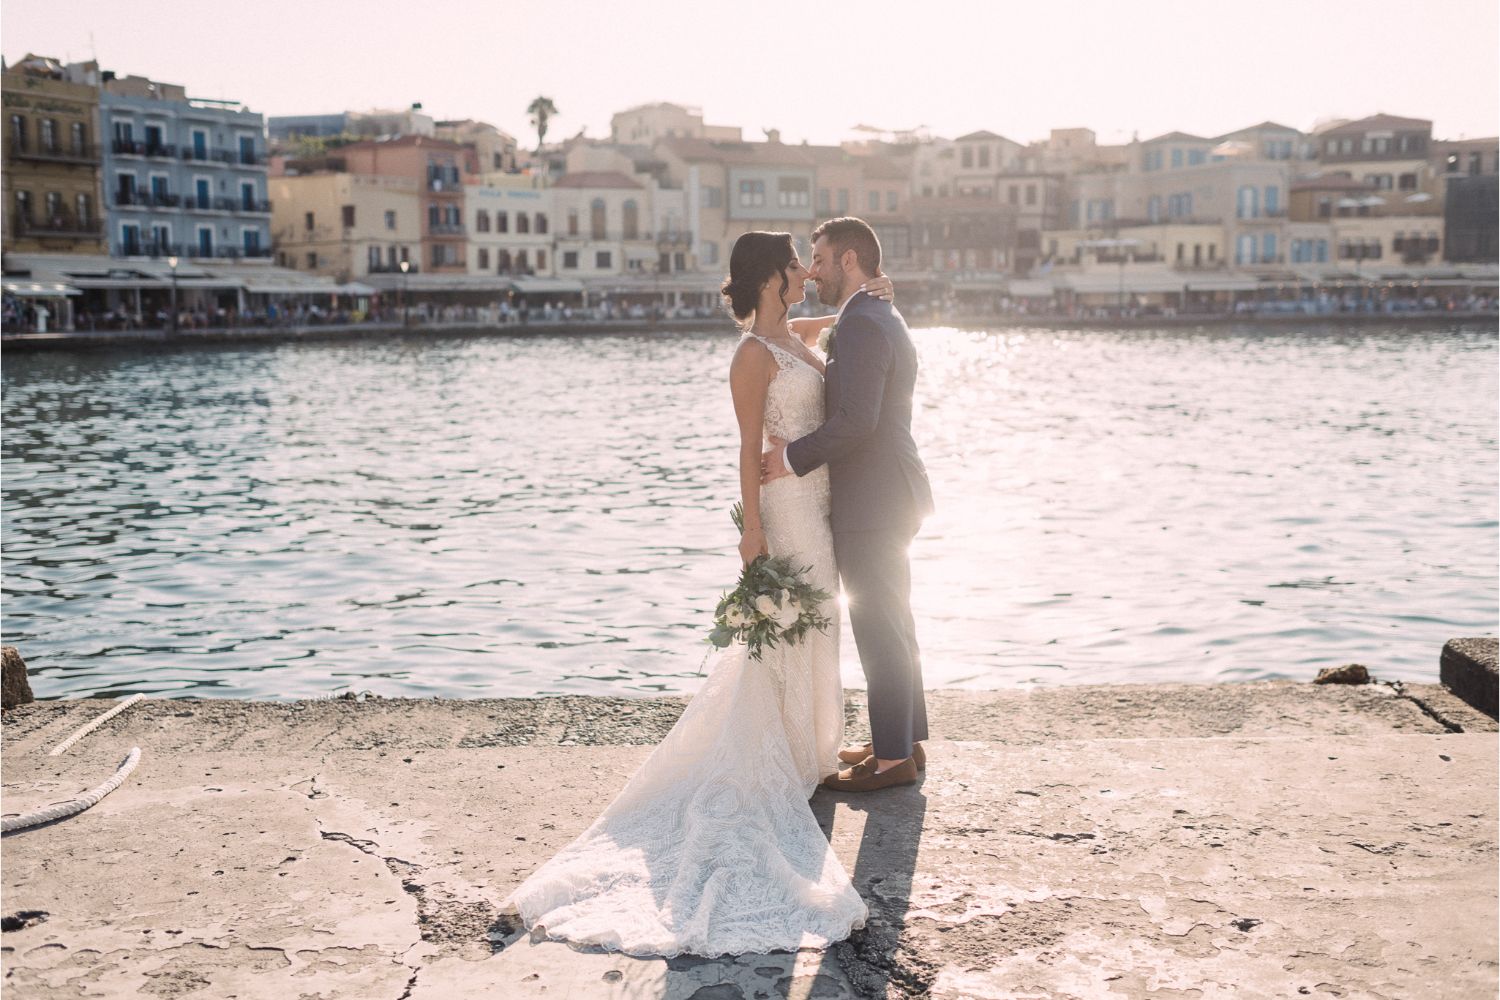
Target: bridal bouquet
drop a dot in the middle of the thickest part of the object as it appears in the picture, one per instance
(771, 603)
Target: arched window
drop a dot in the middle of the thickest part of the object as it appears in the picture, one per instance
(572, 222)
(80, 138)
(502, 222)
(632, 224)
(502, 261)
(482, 221)
(596, 219)
(541, 222)
(523, 263)
(523, 222)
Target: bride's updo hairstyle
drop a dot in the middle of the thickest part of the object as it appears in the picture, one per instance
(756, 258)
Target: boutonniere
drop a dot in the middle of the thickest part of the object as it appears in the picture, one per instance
(825, 339)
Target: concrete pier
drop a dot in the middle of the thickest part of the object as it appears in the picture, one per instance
(1273, 839)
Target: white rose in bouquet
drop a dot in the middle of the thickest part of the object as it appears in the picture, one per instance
(766, 606)
(784, 616)
(736, 617)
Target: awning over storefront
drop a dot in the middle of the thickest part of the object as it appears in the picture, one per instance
(39, 289)
(1030, 288)
(491, 284)
(1104, 282)
(88, 272)
(545, 286)
(1218, 283)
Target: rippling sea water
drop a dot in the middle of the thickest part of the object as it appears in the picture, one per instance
(548, 514)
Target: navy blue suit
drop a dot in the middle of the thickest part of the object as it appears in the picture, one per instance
(880, 496)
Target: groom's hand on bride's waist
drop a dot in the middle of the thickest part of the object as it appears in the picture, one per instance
(773, 463)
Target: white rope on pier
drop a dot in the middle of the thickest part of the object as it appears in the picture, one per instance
(85, 730)
(82, 802)
(79, 804)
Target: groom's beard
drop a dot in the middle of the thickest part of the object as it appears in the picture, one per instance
(831, 292)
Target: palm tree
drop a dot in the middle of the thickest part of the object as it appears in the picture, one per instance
(540, 110)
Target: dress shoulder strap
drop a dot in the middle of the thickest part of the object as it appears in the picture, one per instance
(781, 354)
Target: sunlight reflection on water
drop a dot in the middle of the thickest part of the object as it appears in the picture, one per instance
(526, 516)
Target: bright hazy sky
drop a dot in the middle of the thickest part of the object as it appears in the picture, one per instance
(812, 70)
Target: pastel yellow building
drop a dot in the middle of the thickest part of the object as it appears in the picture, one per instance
(346, 225)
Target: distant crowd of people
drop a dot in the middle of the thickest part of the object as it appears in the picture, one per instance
(36, 315)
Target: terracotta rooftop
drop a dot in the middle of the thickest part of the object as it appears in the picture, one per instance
(1380, 120)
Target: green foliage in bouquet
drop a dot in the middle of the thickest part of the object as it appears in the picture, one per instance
(771, 603)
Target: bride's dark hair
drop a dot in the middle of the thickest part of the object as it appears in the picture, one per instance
(756, 257)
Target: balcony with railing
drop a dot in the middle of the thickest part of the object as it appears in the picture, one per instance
(61, 225)
(154, 150)
(386, 267)
(445, 229)
(253, 206)
(211, 156)
(140, 198)
(86, 154)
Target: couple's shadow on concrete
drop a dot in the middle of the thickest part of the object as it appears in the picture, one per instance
(883, 872)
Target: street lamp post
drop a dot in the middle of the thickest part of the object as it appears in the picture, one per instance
(405, 306)
(172, 317)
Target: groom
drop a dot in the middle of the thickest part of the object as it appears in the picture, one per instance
(880, 495)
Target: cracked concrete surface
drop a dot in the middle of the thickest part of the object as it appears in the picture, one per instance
(1259, 840)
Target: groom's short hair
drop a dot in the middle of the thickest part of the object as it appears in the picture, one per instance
(849, 233)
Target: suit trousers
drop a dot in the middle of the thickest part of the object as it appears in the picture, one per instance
(876, 574)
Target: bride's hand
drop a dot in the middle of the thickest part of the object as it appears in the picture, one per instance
(752, 544)
(881, 287)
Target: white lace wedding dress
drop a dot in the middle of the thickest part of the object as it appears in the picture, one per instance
(711, 848)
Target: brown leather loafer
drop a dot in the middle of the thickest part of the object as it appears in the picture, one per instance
(860, 753)
(862, 777)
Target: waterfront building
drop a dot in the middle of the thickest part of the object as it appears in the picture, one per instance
(602, 220)
(1389, 152)
(731, 187)
(1069, 151)
(510, 221)
(52, 160)
(182, 176)
(647, 124)
(1309, 242)
(494, 150)
(1247, 198)
(1468, 169)
(978, 158)
(1471, 216)
(346, 225)
(440, 170)
(1173, 151)
(1266, 141)
(1387, 240)
(1466, 157)
(967, 236)
(1037, 199)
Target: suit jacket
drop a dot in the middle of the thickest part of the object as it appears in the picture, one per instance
(877, 478)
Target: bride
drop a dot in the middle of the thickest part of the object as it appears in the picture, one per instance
(711, 848)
